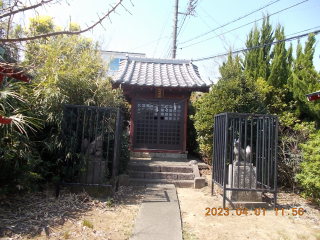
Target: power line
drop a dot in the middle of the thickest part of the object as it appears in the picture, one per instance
(303, 31)
(245, 24)
(216, 23)
(248, 14)
(257, 47)
(147, 43)
(185, 26)
(163, 26)
(169, 50)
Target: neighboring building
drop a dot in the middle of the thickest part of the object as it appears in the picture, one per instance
(158, 90)
(116, 57)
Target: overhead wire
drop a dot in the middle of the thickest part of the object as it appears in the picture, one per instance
(147, 43)
(185, 26)
(163, 26)
(304, 31)
(235, 20)
(257, 47)
(169, 49)
(218, 23)
(245, 24)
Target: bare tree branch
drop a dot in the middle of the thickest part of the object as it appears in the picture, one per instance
(61, 32)
(126, 9)
(8, 14)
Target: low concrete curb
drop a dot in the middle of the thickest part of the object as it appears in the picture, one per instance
(159, 215)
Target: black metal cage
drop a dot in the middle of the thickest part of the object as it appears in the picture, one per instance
(90, 146)
(244, 155)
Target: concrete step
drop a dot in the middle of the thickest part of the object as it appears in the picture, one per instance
(161, 175)
(177, 183)
(159, 168)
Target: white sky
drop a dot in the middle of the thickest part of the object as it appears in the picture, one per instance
(152, 20)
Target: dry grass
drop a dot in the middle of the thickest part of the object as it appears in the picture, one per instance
(71, 216)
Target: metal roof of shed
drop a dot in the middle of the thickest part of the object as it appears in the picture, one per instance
(156, 72)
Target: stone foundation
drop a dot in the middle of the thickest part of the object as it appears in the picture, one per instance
(95, 169)
(157, 155)
(244, 178)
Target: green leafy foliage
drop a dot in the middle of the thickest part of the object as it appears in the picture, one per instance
(20, 163)
(69, 70)
(269, 80)
(124, 153)
(309, 177)
(234, 92)
(303, 80)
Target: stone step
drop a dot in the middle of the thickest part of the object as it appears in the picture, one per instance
(177, 183)
(158, 168)
(161, 175)
(158, 155)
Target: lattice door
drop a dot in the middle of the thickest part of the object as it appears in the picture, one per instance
(158, 125)
(146, 125)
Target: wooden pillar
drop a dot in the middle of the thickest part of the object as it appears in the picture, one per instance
(1, 78)
(185, 126)
(132, 122)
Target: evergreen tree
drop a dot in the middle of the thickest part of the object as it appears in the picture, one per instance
(264, 54)
(279, 70)
(257, 61)
(304, 80)
(251, 58)
(234, 92)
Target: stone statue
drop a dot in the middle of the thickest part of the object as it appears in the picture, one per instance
(244, 154)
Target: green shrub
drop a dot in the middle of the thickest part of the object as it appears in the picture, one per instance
(309, 177)
(124, 153)
(238, 94)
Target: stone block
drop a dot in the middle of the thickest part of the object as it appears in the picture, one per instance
(185, 176)
(176, 169)
(136, 174)
(184, 183)
(95, 173)
(154, 175)
(171, 155)
(199, 182)
(124, 180)
(142, 155)
(145, 168)
(172, 176)
(242, 177)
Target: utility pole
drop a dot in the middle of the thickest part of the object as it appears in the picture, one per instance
(175, 26)
(191, 11)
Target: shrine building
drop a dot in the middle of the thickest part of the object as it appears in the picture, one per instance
(158, 90)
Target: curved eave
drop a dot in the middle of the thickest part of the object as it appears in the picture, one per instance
(9, 72)
(185, 88)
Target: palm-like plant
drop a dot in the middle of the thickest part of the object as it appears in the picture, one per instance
(18, 157)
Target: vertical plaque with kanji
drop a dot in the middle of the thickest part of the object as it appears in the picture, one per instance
(159, 93)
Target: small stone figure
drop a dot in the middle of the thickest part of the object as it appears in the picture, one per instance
(244, 154)
(193, 162)
(94, 149)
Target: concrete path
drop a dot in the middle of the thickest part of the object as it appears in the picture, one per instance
(159, 215)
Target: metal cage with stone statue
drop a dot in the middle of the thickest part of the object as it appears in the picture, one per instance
(90, 143)
(244, 162)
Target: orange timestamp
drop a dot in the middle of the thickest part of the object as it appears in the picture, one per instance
(257, 212)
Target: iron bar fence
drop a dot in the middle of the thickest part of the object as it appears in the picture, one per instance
(90, 147)
(244, 162)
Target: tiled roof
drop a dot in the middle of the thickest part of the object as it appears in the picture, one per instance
(135, 71)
